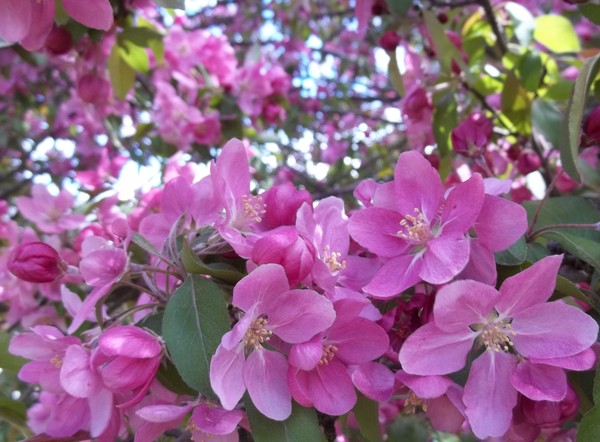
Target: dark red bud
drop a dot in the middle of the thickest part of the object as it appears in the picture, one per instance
(59, 41)
(442, 18)
(389, 40)
(528, 162)
(36, 262)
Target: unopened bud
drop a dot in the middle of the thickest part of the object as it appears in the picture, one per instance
(528, 161)
(36, 262)
(472, 135)
(389, 40)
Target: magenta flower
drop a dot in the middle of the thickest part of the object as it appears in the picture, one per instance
(36, 262)
(514, 324)
(271, 309)
(419, 233)
(49, 213)
(470, 137)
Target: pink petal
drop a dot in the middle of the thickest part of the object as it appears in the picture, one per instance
(553, 330)
(216, 420)
(126, 374)
(540, 382)
(425, 387)
(418, 185)
(163, 413)
(101, 408)
(69, 415)
(362, 10)
(265, 376)
(95, 14)
(76, 375)
(268, 280)
(481, 266)
(463, 206)
(431, 351)
(500, 223)
(130, 341)
(297, 315)
(395, 276)
(374, 380)
(87, 307)
(444, 415)
(376, 229)
(307, 355)
(358, 340)
(463, 303)
(232, 169)
(529, 287)
(102, 267)
(42, 20)
(227, 375)
(489, 397)
(579, 362)
(15, 19)
(444, 258)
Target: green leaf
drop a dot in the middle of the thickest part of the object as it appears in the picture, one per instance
(524, 22)
(13, 412)
(222, 271)
(194, 322)
(445, 50)
(514, 255)
(589, 428)
(583, 248)
(143, 243)
(591, 12)
(547, 120)
(134, 55)
(122, 76)
(399, 7)
(367, 415)
(394, 74)
(569, 146)
(408, 429)
(8, 361)
(565, 287)
(139, 36)
(529, 71)
(171, 4)
(556, 33)
(301, 426)
(516, 104)
(444, 120)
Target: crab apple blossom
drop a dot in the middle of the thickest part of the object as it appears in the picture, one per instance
(417, 230)
(526, 342)
(36, 262)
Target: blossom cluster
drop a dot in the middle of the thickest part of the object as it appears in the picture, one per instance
(396, 301)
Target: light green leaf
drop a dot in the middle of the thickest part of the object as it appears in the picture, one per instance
(222, 271)
(301, 426)
(171, 4)
(8, 361)
(194, 322)
(556, 33)
(134, 55)
(13, 412)
(569, 146)
(547, 120)
(445, 50)
(529, 71)
(394, 75)
(589, 428)
(122, 76)
(399, 7)
(146, 245)
(444, 120)
(514, 255)
(516, 104)
(367, 415)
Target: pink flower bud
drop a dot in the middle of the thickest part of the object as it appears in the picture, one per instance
(591, 128)
(59, 41)
(93, 89)
(471, 136)
(417, 104)
(528, 161)
(36, 262)
(547, 414)
(287, 200)
(285, 247)
(389, 40)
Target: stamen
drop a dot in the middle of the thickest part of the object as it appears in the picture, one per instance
(254, 208)
(415, 229)
(57, 361)
(496, 337)
(328, 354)
(412, 403)
(257, 334)
(331, 259)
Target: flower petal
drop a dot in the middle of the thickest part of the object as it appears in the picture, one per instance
(306, 355)
(265, 375)
(15, 19)
(130, 341)
(540, 382)
(76, 374)
(375, 229)
(425, 387)
(95, 14)
(500, 223)
(374, 380)
(553, 330)
(489, 396)
(431, 351)
(227, 375)
(579, 362)
(268, 280)
(531, 286)
(444, 258)
(394, 277)
(463, 206)
(216, 420)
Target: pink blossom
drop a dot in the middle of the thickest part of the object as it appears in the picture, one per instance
(271, 309)
(515, 321)
(471, 136)
(288, 200)
(49, 213)
(36, 262)
(415, 229)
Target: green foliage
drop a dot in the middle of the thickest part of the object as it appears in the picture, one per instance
(367, 414)
(556, 33)
(589, 428)
(514, 255)
(194, 321)
(122, 75)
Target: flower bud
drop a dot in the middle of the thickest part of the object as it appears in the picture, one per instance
(93, 89)
(528, 161)
(284, 201)
(548, 414)
(389, 41)
(591, 128)
(59, 41)
(36, 262)
(471, 136)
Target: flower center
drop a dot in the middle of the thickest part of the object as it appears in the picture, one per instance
(415, 229)
(328, 354)
(496, 336)
(331, 259)
(254, 208)
(412, 403)
(257, 334)
(57, 361)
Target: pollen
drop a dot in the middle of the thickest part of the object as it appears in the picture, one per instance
(415, 229)
(332, 260)
(412, 403)
(254, 207)
(257, 334)
(57, 361)
(496, 336)
(328, 354)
